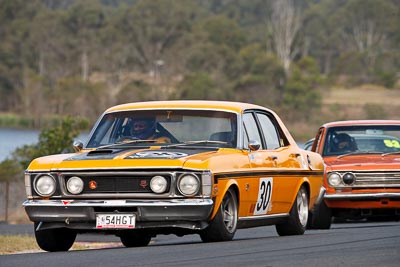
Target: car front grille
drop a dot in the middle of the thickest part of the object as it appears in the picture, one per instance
(384, 179)
(118, 185)
(100, 183)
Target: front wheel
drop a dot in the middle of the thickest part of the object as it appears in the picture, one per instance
(223, 226)
(134, 239)
(298, 217)
(322, 217)
(52, 240)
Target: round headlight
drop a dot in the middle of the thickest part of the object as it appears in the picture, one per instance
(334, 179)
(348, 178)
(188, 185)
(158, 184)
(75, 185)
(45, 185)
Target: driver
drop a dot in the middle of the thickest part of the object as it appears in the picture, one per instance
(344, 143)
(145, 129)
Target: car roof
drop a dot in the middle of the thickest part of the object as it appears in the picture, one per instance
(361, 122)
(188, 104)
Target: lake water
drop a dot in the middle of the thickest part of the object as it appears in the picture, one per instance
(10, 139)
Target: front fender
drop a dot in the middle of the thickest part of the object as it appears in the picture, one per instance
(221, 190)
(307, 184)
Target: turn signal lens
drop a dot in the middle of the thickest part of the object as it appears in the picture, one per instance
(92, 185)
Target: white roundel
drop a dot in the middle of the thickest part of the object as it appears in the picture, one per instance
(264, 197)
(158, 154)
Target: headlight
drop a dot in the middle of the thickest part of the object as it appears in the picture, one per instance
(158, 184)
(188, 185)
(334, 179)
(45, 185)
(75, 185)
(348, 178)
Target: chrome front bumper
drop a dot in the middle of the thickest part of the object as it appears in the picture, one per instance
(149, 213)
(361, 196)
(321, 195)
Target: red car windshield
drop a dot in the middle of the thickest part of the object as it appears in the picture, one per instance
(362, 138)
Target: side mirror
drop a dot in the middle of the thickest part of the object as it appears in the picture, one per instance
(254, 145)
(77, 145)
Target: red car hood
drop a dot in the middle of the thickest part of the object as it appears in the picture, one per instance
(363, 162)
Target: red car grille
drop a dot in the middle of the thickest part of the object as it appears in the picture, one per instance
(377, 179)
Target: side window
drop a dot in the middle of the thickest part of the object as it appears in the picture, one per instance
(251, 128)
(270, 134)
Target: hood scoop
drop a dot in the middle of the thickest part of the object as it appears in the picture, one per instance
(157, 155)
(97, 154)
(100, 152)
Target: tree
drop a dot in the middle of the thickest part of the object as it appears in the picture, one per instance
(262, 77)
(55, 140)
(151, 28)
(84, 21)
(74, 97)
(301, 96)
(198, 86)
(366, 24)
(15, 50)
(51, 45)
(321, 33)
(285, 23)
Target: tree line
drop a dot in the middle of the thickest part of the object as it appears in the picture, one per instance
(69, 57)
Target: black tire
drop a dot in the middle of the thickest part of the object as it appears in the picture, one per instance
(58, 239)
(134, 238)
(223, 226)
(322, 217)
(298, 217)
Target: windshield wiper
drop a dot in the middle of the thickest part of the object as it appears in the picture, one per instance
(197, 143)
(358, 153)
(390, 153)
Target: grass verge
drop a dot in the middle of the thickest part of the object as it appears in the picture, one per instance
(11, 244)
(15, 244)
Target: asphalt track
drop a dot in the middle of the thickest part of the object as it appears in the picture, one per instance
(348, 244)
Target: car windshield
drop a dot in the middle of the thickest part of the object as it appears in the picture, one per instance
(359, 139)
(155, 127)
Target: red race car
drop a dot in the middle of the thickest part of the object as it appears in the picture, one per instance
(362, 178)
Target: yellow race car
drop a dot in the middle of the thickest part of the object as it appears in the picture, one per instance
(175, 167)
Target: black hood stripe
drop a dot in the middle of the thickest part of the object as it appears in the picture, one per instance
(141, 153)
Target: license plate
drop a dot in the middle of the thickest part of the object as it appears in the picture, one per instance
(115, 221)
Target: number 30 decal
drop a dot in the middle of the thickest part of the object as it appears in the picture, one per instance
(264, 196)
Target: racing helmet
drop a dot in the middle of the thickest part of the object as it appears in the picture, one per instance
(143, 128)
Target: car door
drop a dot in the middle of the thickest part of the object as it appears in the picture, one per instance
(287, 161)
(263, 166)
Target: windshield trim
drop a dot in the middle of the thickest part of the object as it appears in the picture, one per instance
(222, 109)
